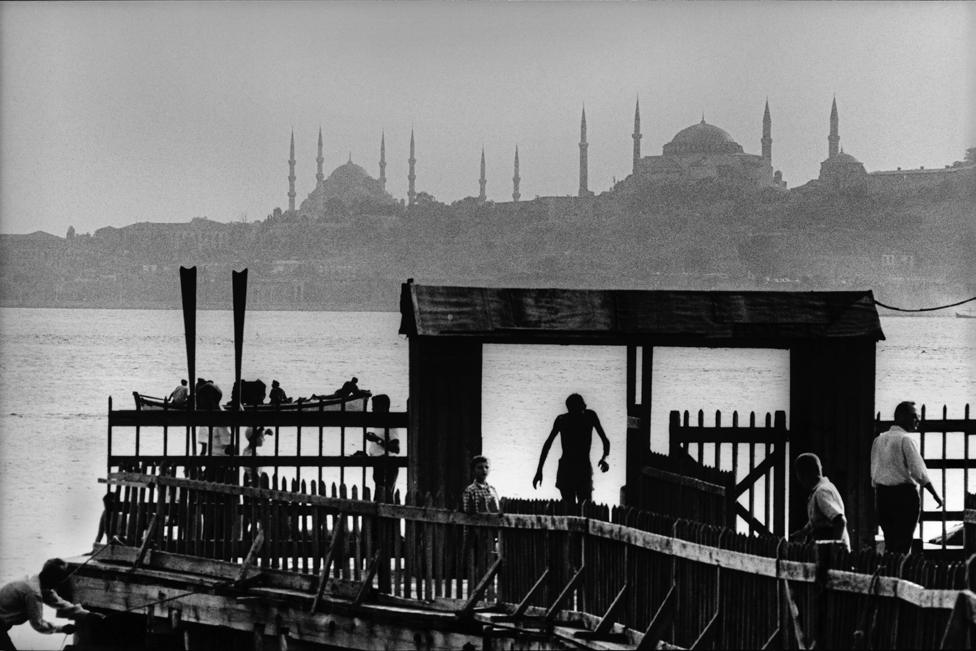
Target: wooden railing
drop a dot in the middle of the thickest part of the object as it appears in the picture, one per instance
(675, 580)
(948, 446)
(302, 445)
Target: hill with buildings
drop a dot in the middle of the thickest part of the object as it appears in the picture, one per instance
(702, 215)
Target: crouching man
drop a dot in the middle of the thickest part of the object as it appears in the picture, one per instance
(22, 601)
(825, 507)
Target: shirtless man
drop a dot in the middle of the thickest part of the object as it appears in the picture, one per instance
(574, 479)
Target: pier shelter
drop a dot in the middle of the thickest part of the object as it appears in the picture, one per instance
(831, 338)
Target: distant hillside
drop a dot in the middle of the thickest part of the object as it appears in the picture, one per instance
(912, 247)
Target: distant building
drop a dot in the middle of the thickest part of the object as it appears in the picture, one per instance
(843, 172)
(704, 151)
(350, 184)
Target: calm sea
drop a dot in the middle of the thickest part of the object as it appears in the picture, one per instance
(59, 367)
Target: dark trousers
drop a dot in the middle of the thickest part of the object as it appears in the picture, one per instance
(898, 509)
(6, 644)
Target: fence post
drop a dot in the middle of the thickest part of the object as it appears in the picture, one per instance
(825, 557)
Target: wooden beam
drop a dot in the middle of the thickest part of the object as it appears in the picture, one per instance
(564, 594)
(252, 555)
(660, 622)
(303, 461)
(705, 638)
(774, 457)
(480, 588)
(603, 630)
(960, 631)
(252, 418)
(146, 543)
(523, 605)
(694, 434)
(368, 579)
(754, 524)
(683, 480)
(771, 641)
(337, 533)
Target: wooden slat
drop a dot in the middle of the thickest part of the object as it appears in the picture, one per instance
(683, 480)
(692, 434)
(756, 473)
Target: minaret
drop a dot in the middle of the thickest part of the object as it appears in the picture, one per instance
(516, 195)
(319, 176)
(291, 174)
(583, 191)
(637, 135)
(411, 174)
(833, 140)
(482, 181)
(383, 161)
(767, 137)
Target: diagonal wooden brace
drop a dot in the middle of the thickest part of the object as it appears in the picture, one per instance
(337, 535)
(523, 605)
(603, 629)
(566, 592)
(251, 557)
(660, 622)
(368, 579)
(146, 542)
(479, 589)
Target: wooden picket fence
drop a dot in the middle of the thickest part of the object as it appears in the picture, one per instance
(689, 583)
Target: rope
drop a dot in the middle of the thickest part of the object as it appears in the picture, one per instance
(113, 541)
(923, 309)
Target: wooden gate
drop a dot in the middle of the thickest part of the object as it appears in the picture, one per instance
(757, 454)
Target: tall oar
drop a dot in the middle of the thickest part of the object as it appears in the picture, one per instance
(239, 282)
(188, 287)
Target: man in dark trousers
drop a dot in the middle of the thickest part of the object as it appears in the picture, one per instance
(574, 478)
(897, 470)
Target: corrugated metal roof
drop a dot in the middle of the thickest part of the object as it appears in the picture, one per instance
(522, 315)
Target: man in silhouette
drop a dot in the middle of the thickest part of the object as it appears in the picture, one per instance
(574, 478)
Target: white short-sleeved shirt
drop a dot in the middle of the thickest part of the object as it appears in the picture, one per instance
(825, 504)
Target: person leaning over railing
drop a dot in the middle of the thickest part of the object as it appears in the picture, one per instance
(22, 601)
(897, 469)
(825, 507)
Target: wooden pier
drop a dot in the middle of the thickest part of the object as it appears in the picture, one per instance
(304, 569)
(204, 556)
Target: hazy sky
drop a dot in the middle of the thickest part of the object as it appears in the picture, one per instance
(115, 113)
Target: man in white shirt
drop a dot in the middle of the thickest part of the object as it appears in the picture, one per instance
(897, 470)
(825, 507)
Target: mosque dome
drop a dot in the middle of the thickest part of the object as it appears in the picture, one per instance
(350, 184)
(844, 157)
(702, 138)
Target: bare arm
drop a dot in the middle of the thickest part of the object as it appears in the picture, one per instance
(603, 436)
(931, 489)
(545, 452)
